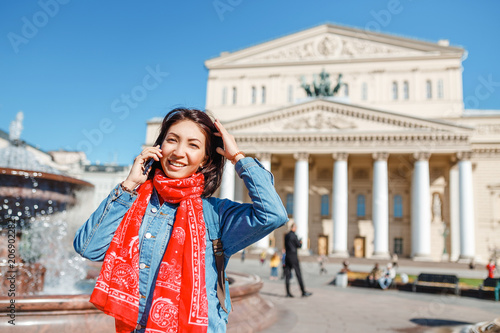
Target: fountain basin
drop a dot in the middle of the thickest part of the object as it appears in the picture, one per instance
(74, 313)
(47, 192)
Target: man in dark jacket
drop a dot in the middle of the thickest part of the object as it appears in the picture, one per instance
(292, 243)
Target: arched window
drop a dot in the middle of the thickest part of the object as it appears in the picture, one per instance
(440, 89)
(234, 95)
(289, 203)
(406, 90)
(224, 96)
(398, 206)
(360, 206)
(254, 95)
(263, 95)
(325, 205)
(428, 89)
(290, 94)
(364, 91)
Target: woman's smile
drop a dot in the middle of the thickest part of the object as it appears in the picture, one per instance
(176, 164)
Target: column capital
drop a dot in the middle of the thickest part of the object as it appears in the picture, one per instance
(301, 156)
(464, 155)
(263, 156)
(340, 156)
(421, 155)
(380, 156)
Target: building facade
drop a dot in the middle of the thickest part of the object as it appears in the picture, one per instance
(391, 163)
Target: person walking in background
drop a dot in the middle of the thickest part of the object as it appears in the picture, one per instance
(472, 264)
(283, 264)
(274, 263)
(292, 243)
(395, 260)
(263, 256)
(491, 269)
(321, 261)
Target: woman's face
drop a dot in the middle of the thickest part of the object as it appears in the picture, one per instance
(183, 149)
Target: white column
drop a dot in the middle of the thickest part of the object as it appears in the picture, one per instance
(421, 208)
(301, 197)
(339, 205)
(265, 159)
(380, 208)
(239, 189)
(454, 215)
(466, 199)
(227, 185)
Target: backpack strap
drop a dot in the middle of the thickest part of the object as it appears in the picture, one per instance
(214, 235)
(212, 219)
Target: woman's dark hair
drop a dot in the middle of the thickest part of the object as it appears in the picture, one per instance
(214, 165)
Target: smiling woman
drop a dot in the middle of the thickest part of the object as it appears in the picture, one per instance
(187, 143)
(182, 150)
(149, 230)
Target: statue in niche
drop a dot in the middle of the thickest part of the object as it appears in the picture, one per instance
(436, 207)
(321, 87)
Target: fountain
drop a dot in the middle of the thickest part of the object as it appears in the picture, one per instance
(32, 194)
(47, 284)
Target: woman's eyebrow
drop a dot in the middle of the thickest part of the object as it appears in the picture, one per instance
(177, 136)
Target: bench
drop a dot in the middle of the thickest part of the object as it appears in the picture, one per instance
(437, 281)
(491, 284)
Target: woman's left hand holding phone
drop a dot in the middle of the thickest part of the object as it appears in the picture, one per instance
(137, 176)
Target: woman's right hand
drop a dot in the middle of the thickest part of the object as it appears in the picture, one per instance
(136, 175)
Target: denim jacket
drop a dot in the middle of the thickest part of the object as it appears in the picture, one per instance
(240, 226)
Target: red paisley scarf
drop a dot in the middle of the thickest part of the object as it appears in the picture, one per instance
(179, 299)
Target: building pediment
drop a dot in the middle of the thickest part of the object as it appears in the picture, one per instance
(331, 116)
(331, 43)
(328, 46)
(326, 125)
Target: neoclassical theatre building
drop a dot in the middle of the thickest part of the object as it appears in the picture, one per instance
(366, 134)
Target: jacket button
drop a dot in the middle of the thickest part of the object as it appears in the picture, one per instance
(153, 210)
(142, 265)
(148, 235)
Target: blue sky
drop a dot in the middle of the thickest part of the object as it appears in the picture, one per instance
(69, 64)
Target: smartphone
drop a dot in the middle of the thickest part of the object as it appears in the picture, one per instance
(148, 165)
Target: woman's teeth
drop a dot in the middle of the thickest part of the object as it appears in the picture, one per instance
(176, 164)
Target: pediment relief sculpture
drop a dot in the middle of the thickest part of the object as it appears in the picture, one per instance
(333, 46)
(319, 121)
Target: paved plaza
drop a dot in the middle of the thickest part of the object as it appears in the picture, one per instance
(355, 309)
